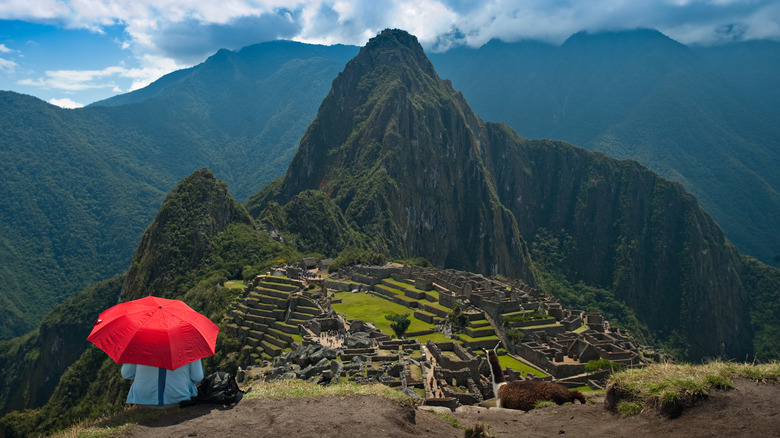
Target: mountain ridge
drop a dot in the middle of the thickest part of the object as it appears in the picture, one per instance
(419, 174)
(356, 151)
(641, 95)
(95, 176)
(612, 224)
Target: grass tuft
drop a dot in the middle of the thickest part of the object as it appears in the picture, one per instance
(117, 424)
(670, 386)
(629, 409)
(450, 419)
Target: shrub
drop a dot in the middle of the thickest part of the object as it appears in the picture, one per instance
(602, 365)
(399, 323)
(514, 335)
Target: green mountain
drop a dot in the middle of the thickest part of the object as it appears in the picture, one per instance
(80, 186)
(395, 158)
(751, 65)
(405, 160)
(200, 237)
(416, 173)
(705, 118)
(74, 202)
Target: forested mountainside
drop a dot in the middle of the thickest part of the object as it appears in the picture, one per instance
(402, 158)
(707, 117)
(416, 173)
(82, 184)
(79, 186)
(199, 238)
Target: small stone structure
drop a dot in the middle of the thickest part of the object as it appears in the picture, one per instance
(556, 340)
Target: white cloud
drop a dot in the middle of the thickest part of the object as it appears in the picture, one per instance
(176, 28)
(38, 9)
(165, 35)
(7, 66)
(79, 80)
(65, 103)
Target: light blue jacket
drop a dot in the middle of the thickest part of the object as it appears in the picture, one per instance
(158, 386)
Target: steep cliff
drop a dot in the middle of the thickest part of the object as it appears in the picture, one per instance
(200, 238)
(414, 170)
(177, 243)
(632, 232)
(402, 155)
(32, 365)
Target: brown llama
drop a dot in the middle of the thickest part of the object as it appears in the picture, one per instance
(525, 394)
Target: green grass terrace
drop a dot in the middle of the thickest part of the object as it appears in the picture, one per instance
(370, 308)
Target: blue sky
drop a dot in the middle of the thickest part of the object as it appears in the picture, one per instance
(74, 52)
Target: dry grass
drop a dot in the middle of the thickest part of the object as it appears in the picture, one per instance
(115, 425)
(109, 426)
(675, 385)
(299, 388)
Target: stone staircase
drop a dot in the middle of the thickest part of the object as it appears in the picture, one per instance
(266, 320)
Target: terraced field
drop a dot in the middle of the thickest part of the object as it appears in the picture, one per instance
(392, 296)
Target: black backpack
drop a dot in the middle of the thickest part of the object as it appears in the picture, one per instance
(218, 388)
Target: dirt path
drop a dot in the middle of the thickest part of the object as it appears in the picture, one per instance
(750, 410)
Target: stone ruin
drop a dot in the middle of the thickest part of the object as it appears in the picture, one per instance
(555, 340)
(560, 343)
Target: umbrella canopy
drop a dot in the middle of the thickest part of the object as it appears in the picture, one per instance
(154, 331)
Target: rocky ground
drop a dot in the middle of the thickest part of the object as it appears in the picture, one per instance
(752, 409)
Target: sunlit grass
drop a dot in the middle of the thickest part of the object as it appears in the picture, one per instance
(519, 366)
(403, 285)
(235, 284)
(280, 389)
(664, 384)
(369, 308)
(435, 337)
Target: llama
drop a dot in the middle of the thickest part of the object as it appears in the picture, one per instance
(524, 394)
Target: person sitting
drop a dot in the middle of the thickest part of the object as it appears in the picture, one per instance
(159, 386)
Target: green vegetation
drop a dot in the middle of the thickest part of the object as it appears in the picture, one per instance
(522, 318)
(354, 256)
(450, 419)
(602, 365)
(629, 409)
(399, 322)
(622, 90)
(514, 335)
(763, 282)
(617, 240)
(669, 386)
(36, 361)
(543, 404)
(369, 308)
(115, 424)
(435, 337)
(80, 186)
(220, 243)
(519, 366)
(457, 318)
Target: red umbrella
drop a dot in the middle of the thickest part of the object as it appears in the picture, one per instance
(154, 331)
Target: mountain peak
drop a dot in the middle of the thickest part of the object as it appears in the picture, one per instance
(393, 48)
(196, 210)
(394, 144)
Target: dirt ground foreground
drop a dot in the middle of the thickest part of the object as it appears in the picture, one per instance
(752, 409)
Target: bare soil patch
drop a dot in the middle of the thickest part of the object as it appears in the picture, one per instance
(752, 409)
